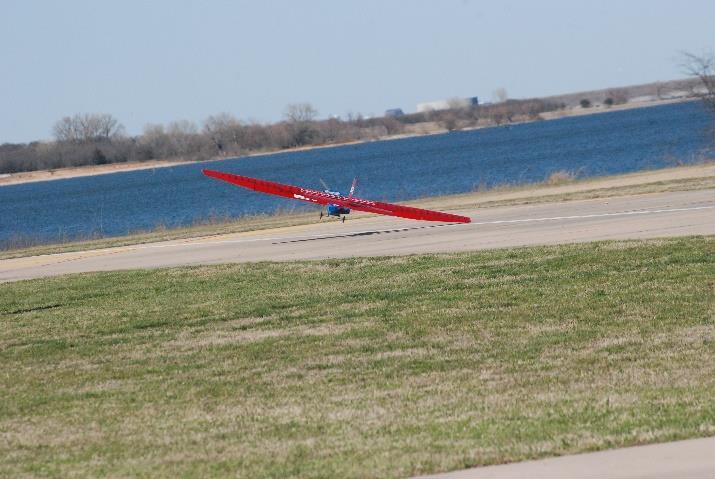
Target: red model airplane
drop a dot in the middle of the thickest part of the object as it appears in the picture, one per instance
(336, 204)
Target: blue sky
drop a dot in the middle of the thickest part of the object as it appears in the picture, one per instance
(164, 60)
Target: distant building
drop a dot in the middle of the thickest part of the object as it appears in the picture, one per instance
(447, 104)
(394, 112)
(432, 106)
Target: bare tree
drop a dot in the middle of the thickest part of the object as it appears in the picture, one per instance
(87, 127)
(701, 67)
(155, 142)
(218, 129)
(184, 138)
(66, 130)
(102, 126)
(301, 129)
(300, 112)
(225, 132)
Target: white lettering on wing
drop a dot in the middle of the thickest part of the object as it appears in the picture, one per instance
(319, 194)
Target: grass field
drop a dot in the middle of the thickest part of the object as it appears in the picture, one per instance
(382, 367)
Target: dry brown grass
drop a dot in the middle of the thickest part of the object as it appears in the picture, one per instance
(560, 177)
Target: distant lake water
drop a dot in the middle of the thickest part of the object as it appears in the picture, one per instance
(396, 170)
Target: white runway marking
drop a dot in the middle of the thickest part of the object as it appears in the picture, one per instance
(595, 215)
(495, 222)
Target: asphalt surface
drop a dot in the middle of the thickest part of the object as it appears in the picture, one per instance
(692, 459)
(643, 216)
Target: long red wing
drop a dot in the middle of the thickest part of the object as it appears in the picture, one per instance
(273, 188)
(318, 197)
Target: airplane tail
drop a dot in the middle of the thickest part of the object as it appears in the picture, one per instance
(352, 188)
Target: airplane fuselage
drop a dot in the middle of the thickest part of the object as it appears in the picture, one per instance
(337, 210)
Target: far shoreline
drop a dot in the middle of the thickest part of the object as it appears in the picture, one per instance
(94, 170)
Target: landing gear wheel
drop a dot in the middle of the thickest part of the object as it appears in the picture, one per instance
(343, 219)
(321, 215)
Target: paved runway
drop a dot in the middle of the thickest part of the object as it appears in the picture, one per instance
(692, 459)
(644, 216)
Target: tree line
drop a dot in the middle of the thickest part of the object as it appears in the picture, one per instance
(96, 139)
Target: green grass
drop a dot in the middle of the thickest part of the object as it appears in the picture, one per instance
(380, 367)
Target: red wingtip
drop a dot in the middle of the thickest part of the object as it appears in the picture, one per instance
(461, 219)
(212, 173)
